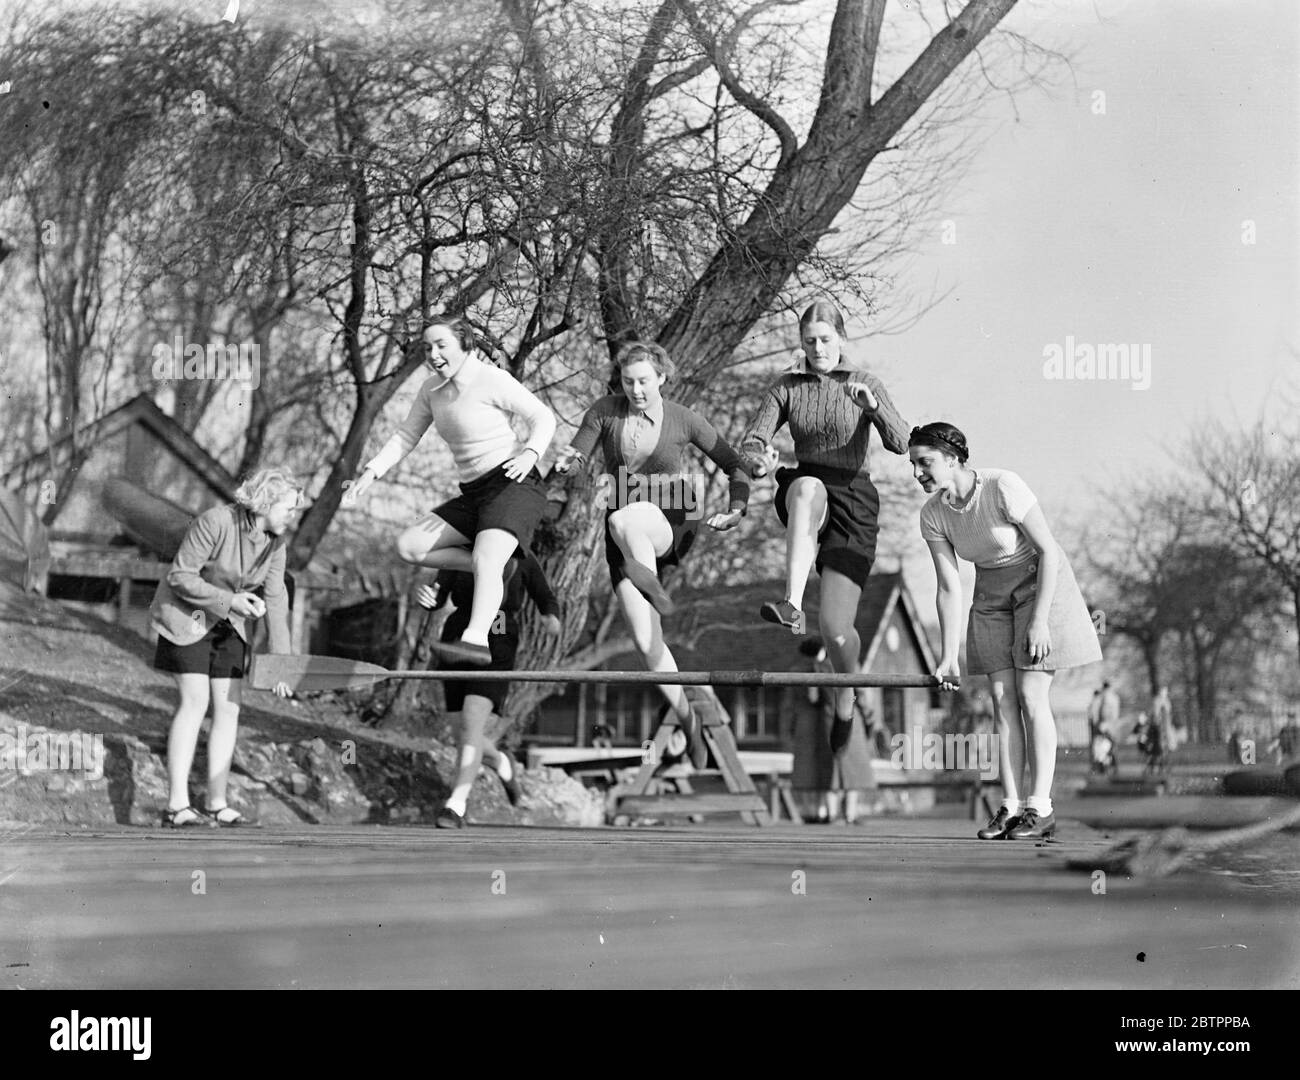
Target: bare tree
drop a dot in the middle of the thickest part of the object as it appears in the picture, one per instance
(567, 176)
(1254, 476)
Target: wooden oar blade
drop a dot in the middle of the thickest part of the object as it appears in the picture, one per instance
(307, 673)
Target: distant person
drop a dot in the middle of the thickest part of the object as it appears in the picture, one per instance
(1283, 745)
(204, 612)
(1172, 734)
(1094, 713)
(1102, 753)
(1110, 709)
(1150, 743)
(1234, 746)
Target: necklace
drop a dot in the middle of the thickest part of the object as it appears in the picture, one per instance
(962, 504)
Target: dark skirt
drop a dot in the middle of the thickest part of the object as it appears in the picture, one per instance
(684, 526)
(494, 501)
(847, 543)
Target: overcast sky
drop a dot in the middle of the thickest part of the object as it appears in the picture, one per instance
(1122, 226)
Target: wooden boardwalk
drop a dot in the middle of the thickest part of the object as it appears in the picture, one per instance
(895, 903)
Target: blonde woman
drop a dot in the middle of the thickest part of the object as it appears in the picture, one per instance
(654, 517)
(203, 613)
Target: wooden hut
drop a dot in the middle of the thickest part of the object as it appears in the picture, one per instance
(719, 629)
(123, 513)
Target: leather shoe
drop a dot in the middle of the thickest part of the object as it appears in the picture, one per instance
(448, 819)
(1033, 827)
(783, 614)
(999, 825)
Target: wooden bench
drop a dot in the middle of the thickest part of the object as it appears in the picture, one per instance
(888, 777)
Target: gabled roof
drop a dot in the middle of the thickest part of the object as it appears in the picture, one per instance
(142, 410)
(730, 636)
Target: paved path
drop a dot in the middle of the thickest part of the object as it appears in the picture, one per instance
(894, 904)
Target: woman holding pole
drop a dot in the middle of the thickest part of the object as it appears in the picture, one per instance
(1028, 619)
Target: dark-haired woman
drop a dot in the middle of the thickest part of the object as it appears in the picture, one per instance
(827, 503)
(1028, 619)
(654, 512)
(470, 402)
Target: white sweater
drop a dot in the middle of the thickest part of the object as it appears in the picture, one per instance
(471, 411)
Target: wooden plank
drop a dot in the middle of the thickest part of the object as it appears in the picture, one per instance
(791, 807)
(645, 776)
(110, 566)
(1187, 811)
(704, 803)
(123, 599)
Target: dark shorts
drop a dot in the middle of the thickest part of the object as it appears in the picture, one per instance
(684, 530)
(847, 543)
(494, 501)
(505, 647)
(220, 654)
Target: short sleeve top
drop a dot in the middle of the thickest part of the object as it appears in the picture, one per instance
(985, 530)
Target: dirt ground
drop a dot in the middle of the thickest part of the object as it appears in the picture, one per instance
(68, 671)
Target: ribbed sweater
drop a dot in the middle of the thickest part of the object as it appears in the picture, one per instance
(828, 427)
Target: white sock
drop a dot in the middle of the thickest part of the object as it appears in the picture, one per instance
(1011, 806)
(503, 768)
(459, 798)
(1041, 804)
(469, 639)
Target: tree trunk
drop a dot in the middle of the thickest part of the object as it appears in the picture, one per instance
(813, 184)
(1151, 656)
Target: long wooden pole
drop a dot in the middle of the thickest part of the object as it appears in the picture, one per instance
(677, 678)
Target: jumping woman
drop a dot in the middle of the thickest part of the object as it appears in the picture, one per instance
(827, 502)
(1028, 619)
(475, 701)
(654, 513)
(202, 613)
(469, 402)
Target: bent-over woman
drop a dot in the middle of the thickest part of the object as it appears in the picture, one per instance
(1028, 619)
